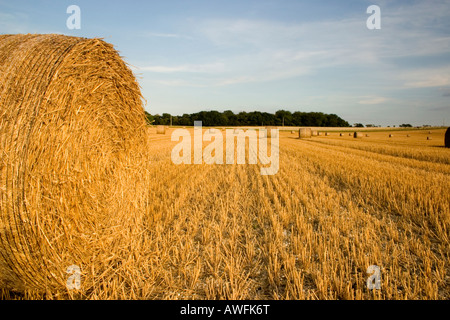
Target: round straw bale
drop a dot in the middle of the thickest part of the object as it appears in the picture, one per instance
(357, 135)
(340, 134)
(391, 135)
(304, 133)
(447, 138)
(350, 134)
(429, 138)
(407, 135)
(367, 135)
(72, 137)
(314, 133)
(160, 129)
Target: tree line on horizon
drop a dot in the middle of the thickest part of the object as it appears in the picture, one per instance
(254, 118)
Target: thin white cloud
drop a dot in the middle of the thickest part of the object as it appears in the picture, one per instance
(163, 35)
(11, 23)
(255, 50)
(426, 77)
(372, 100)
(243, 69)
(177, 83)
(191, 68)
(167, 35)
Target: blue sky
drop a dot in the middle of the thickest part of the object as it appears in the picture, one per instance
(268, 55)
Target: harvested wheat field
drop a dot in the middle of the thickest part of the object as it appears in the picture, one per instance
(309, 232)
(336, 206)
(85, 183)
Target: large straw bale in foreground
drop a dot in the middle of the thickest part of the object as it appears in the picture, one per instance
(72, 131)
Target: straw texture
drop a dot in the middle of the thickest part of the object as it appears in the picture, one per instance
(72, 131)
(304, 133)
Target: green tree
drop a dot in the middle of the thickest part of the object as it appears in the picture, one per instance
(254, 118)
(283, 117)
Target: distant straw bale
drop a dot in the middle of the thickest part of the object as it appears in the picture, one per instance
(447, 138)
(160, 129)
(304, 133)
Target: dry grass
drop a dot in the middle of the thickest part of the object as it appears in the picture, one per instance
(336, 206)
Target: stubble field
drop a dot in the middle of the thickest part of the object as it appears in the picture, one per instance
(336, 206)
